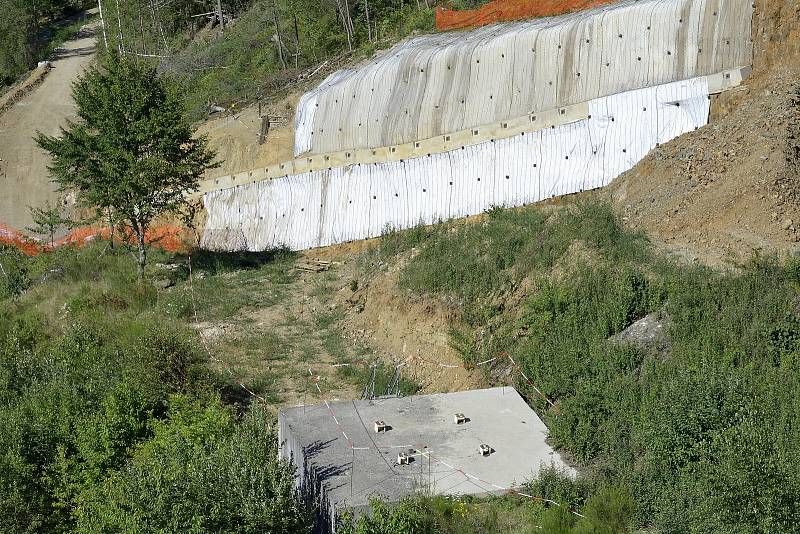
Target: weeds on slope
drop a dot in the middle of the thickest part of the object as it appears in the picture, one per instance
(464, 263)
(605, 509)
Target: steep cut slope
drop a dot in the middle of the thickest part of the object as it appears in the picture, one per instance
(234, 137)
(731, 187)
(541, 80)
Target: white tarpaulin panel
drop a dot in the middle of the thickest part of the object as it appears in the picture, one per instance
(444, 83)
(360, 201)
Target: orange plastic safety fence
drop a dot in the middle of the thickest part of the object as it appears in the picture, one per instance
(506, 10)
(169, 238)
(9, 236)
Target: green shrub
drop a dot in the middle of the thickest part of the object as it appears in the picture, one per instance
(608, 511)
(200, 473)
(14, 278)
(407, 517)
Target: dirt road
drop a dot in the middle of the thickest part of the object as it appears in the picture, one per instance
(24, 179)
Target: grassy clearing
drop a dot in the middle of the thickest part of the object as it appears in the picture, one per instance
(255, 312)
(689, 432)
(228, 285)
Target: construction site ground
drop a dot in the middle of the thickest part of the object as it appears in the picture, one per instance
(24, 178)
(318, 319)
(234, 134)
(717, 196)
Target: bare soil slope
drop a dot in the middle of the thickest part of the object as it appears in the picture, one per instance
(234, 137)
(24, 179)
(730, 188)
(413, 332)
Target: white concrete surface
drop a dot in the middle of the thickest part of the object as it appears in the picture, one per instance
(445, 455)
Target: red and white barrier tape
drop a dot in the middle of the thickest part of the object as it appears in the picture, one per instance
(528, 380)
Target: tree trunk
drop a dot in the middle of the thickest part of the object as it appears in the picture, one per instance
(278, 33)
(121, 43)
(350, 28)
(111, 228)
(102, 23)
(141, 31)
(221, 16)
(296, 43)
(369, 28)
(157, 27)
(142, 259)
(344, 12)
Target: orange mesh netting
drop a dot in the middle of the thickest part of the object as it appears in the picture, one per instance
(169, 238)
(9, 236)
(506, 10)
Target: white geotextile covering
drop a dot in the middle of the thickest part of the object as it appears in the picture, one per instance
(361, 201)
(443, 83)
(306, 108)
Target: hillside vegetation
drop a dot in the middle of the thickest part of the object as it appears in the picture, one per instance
(132, 405)
(30, 31)
(265, 45)
(692, 425)
(120, 419)
(112, 420)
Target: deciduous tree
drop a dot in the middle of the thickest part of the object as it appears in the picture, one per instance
(133, 151)
(47, 220)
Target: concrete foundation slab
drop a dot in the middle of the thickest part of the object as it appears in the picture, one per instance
(342, 461)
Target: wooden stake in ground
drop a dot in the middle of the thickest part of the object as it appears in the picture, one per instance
(262, 137)
(221, 17)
